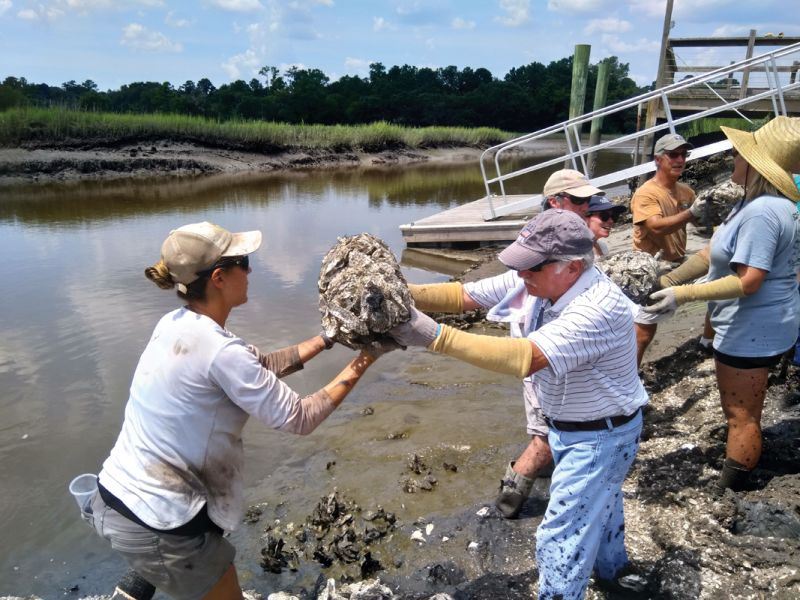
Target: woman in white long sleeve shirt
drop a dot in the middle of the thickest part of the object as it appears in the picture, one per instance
(172, 484)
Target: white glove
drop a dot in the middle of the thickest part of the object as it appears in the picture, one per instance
(419, 330)
(698, 208)
(665, 302)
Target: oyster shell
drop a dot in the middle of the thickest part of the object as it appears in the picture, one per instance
(636, 273)
(362, 292)
(720, 199)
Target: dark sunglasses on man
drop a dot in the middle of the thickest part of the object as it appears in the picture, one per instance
(576, 200)
(675, 154)
(539, 267)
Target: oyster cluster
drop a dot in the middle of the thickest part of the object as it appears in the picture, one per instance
(720, 199)
(636, 273)
(337, 532)
(362, 292)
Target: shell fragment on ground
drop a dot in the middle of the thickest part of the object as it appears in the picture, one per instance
(362, 292)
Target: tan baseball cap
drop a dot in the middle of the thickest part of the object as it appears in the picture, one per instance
(671, 141)
(570, 181)
(197, 247)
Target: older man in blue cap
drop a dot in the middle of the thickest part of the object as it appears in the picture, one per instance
(573, 339)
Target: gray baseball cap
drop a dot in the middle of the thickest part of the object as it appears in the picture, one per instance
(550, 235)
(671, 141)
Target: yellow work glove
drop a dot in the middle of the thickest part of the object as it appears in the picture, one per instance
(512, 356)
(695, 266)
(438, 297)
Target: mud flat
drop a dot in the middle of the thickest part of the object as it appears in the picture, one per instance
(103, 159)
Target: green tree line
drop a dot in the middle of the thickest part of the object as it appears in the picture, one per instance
(525, 99)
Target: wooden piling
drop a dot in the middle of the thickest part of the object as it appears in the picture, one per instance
(577, 97)
(600, 94)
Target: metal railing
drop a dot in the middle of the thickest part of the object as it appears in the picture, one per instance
(773, 95)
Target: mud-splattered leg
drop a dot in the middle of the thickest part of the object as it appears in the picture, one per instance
(741, 393)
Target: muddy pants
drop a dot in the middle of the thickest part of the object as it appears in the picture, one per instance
(583, 527)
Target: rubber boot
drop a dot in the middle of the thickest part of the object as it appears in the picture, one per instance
(734, 476)
(514, 490)
(133, 586)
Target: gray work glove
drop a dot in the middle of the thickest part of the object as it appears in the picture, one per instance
(664, 302)
(419, 330)
(698, 208)
(378, 348)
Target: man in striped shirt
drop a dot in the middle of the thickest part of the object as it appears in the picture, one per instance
(575, 346)
(566, 189)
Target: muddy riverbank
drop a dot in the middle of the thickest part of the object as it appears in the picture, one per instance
(105, 159)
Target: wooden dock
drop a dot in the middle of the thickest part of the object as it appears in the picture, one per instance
(464, 225)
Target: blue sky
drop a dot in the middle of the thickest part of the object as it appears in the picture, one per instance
(114, 42)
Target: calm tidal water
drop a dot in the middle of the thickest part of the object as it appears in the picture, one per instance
(77, 312)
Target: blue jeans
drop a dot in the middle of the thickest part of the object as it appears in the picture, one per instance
(584, 526)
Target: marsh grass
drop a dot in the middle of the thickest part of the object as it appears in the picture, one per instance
(712, 125)
(57, 126)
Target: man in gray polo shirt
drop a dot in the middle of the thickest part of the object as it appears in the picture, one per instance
(578, 339)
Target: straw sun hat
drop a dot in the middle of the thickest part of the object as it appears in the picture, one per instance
(773, 150)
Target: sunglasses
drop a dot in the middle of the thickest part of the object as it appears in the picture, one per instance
(227, 263)
(576, 200)
(605, 215)
(673, 154)
(539, 267)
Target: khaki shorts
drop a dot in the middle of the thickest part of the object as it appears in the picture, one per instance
(183, 567)
(536, 423)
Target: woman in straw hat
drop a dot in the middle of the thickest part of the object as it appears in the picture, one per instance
(752, 287)
(172, 484)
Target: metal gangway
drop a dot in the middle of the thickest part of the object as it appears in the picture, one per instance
(776, 89)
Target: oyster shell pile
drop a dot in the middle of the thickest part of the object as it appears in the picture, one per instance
(719, 202)
(362, 293)
(636, 273)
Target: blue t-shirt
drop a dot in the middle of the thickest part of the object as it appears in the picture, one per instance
(765, 234)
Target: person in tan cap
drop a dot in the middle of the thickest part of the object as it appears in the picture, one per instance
(569, 189)
(574, 346)
(661, 209)
(172, 484)
(752, 287)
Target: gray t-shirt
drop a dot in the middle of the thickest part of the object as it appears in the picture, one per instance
(765, 234)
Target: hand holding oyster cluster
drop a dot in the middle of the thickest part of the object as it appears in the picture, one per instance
(362, 293)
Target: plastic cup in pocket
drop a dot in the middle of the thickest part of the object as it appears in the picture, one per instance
(83, 488)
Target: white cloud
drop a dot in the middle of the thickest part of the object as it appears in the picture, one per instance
(4, 6)
(357, 65)
(575, 6)
(140, 37)
(28, 14)
(174, 21)
(650, 8)
(518, 12)
(608, 25)
(238, 5)
(325, 2)
(459, 23)
(731, 30)
(249, 61)
(381, 24)
(617, 44)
